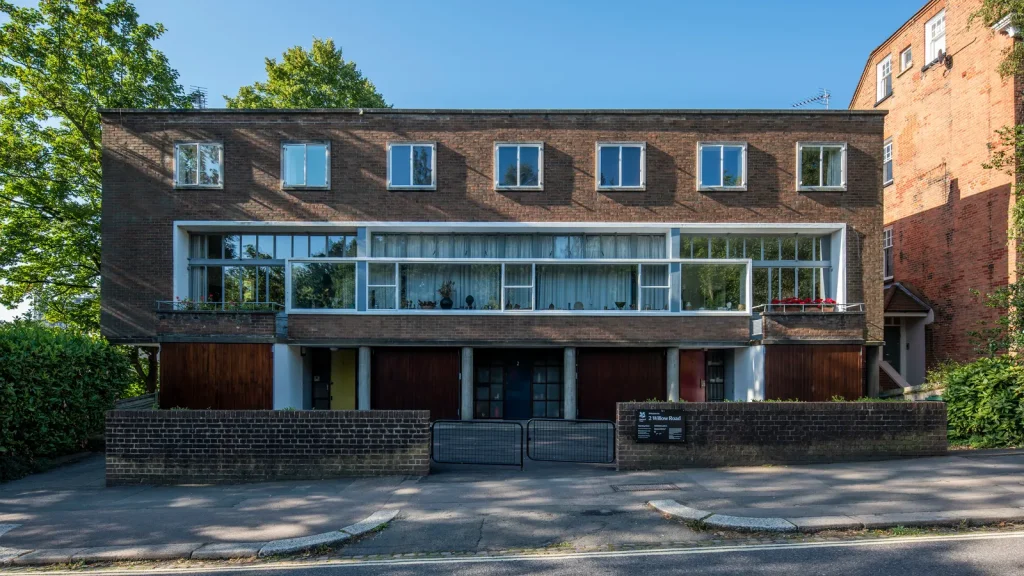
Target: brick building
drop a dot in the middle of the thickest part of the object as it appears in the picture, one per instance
(946, 215)
(494, 264)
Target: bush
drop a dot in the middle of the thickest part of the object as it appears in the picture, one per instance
(985, 402)
(55, 386)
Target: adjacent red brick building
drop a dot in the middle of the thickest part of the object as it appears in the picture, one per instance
(494, 264)
(946, 215)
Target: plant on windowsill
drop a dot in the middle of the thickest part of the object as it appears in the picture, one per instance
(427, 304)
(447, 290)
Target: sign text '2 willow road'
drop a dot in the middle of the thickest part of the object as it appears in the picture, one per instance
(660, 426)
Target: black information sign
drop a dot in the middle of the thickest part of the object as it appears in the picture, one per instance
(660, 426)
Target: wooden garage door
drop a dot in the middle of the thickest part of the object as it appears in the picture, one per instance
(203, 376)
(813, 372)
(605, 376)
(416, 379)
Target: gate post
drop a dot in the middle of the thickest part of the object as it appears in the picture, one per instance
(672, 374)
(466, 406)
(569, 376)
(363, 385)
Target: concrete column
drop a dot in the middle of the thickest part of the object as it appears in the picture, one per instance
(569, 376)
(466, 410)
(873, 357)
(363, 379)
(672, 374)
(287, 377)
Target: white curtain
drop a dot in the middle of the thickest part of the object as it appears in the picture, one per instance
(833, 160)
(586, 287)
(569, 247)
(420, 282)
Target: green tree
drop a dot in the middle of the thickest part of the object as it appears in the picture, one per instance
(59, 63)
(319, 78)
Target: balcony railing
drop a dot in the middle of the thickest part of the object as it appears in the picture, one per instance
(809, 308)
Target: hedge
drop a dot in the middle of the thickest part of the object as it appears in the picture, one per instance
(55, 386)
(985, 402)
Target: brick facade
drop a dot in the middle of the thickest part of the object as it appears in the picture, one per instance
(233, 326)
(949, 213)
(756, 433)
(207, 446)
(140, 203)
(813, 326)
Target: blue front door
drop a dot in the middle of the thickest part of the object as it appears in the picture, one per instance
(517, 393)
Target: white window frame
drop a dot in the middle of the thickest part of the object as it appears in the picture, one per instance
(883, 71)
(667, 287)
(887, 158)
(819, 188)
(934, 44)
(721, 165)
(519, 146)
(532, 286)
(197, 185)
(887, 246)
(305, 164)
(643, 164)
(906, 59)
(412, 155)
(395, 282)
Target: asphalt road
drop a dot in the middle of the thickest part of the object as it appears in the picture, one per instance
(969, 554)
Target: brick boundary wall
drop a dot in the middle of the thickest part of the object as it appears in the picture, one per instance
(233, 446)
(755, 433)
(196, 325)
(814, 326)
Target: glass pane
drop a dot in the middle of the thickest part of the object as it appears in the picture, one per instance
(771, 248)
(381, 274)
(805, 283)
(700, 247)
(473, 286)
(324, 285)
(630, 165)
(685, 247)
(735, 247)
(540, 375)
(401, 174)
(231, 247)
(232, 284)
(710, 168)
(187, 164)
(275, 280)
(810, 170)
(787, 282)
(283, 247)
(519, 298)
(214, 246)
(496, 375)
(753, 249)
(609, 166)
(518, 275)
(248, 246)
(654, 275)
(337, 246)
(214, 284)
(483, 375)
(301, 246)
(713, 286)
(654, 299)
(788, 248)
(381, 297)
(251, 285)
(482, 392)
(539, 409)
(481, 409)
(316, 165)
(265, 247)
(554, 374)
(210, 164)
(587, 287)
(804, 248)
(718, 247)
(507, 166)
(539, 391)
(422, 165)
(732, 166)
(317, 246)
(529, 166)
(294, 164)
(496, 392)
(833, 166)
(554, 409)
(760, 286)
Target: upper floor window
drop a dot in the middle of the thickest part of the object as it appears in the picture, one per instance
(722, 165)
(883, 71)
(621, 165)
(412, 165)
(887, 162)
(906, 59)
(887, 259)
(306, 165)
(199, 165)
(519, 166)
(821, 165)
(935, 37)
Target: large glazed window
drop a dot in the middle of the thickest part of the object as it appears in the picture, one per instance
(199, 165)
(323, 285)
(513, 246)
(821, 166)
(587, 287)
(469, 286)
(412, 166)
(714, 287)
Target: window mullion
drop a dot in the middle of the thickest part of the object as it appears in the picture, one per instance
(305, 164)
(518, 166)
(412, 169)
(620, 166)
(721, 165)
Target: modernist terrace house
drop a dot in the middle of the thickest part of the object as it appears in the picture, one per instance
(494, 264)
(946, 215)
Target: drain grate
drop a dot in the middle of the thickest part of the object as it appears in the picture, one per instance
(644, 487)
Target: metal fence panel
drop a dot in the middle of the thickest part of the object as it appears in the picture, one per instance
(585, 441)
(495, 442)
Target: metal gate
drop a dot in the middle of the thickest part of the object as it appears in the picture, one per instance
(583, 441)
(492, 442)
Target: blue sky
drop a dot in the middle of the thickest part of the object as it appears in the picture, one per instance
(545, 54)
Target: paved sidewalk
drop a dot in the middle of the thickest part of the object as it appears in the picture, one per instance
(492, 508)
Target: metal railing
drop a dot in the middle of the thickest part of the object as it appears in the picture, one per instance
(193, 306)
(809, 308)
(583, 441)
(486, 442)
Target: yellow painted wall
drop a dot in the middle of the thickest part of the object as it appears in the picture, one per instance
(343, 380)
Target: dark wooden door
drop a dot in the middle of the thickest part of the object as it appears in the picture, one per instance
(200, 375)
(813, 372)
(416, 379)
(320, 359)
(691, 375)
(605, 376)
(517, 392)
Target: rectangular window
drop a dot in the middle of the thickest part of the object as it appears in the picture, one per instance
(306, 165)
(621, 166)
(469, 286)
(906, 59)
(654, 287)
(381, 288)
(587, 287)
(720, 287)
(887, 254)
(412, 166)
(935, 38)
(821, 166)
(883, 73)
(518, 286)
(519, 166)
(722, 166)
(324, 285)
(199, 165)
(887, 163)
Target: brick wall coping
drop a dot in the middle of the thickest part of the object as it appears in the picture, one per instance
(496, 112)
(280, 414)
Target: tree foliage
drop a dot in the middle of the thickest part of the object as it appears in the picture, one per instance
(59, 63)
(319, 78)
(985, 402)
